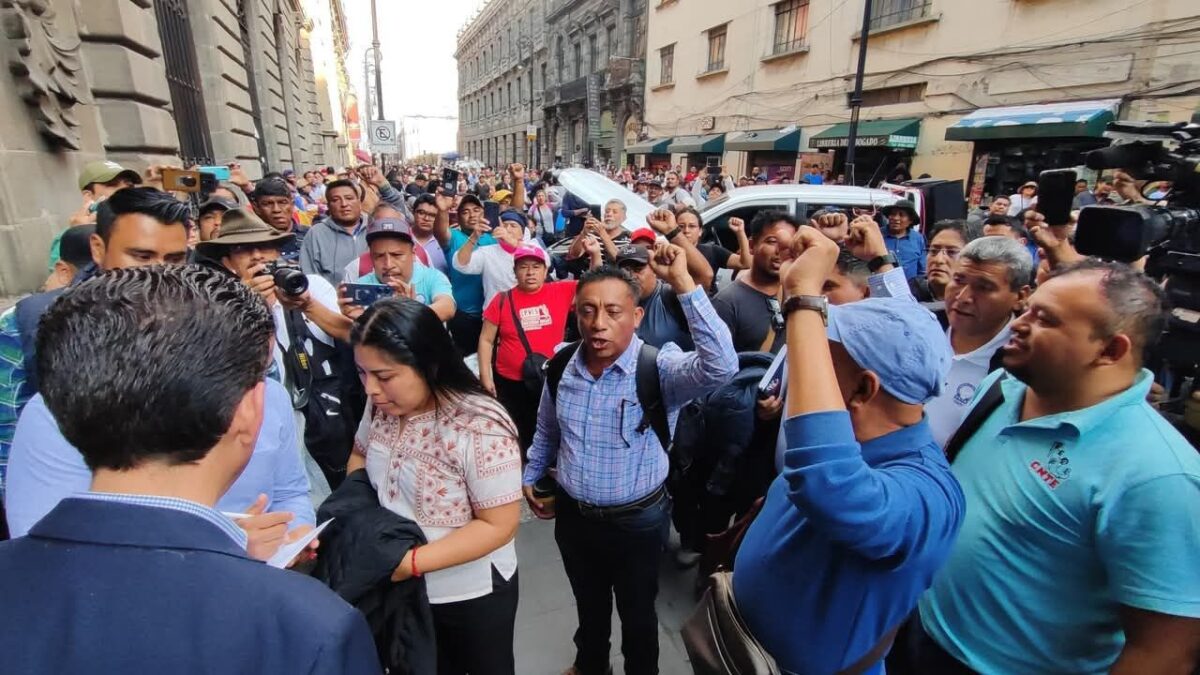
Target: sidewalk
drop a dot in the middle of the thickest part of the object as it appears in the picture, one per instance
(546, 618)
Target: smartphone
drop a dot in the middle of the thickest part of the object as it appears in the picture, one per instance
(218, 172)
(597, 211)
(365, 295)
(178, 180)
(491, 210)
(449, 182)
(1056, 193)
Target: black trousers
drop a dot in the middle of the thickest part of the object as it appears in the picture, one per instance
(475, 637)
(607, 556)
(915, 653)
(464, 330)
(522, 406)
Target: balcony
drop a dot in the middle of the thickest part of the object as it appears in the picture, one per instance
(550, 98)
(575, 90)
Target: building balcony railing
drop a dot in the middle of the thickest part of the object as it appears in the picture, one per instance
(625, 72)
(575, 90)
(550, 98)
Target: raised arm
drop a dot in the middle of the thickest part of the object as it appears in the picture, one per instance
(517, 171)
(663, 221)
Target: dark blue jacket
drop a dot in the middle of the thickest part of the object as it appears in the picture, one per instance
(103, 587)
(29, 312)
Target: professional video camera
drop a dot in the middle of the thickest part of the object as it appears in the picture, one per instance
(1166, 229)
(289, 280)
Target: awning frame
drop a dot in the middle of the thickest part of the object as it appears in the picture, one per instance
(765, 140)
(895, 134)
(1077, 119)
(713, 144)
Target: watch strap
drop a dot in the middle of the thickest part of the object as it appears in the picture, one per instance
(816, 303)
(889, 259)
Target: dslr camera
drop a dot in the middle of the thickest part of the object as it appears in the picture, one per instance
(289, 280)
(1167, 230)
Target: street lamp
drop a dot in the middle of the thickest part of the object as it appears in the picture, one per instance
(526, 43)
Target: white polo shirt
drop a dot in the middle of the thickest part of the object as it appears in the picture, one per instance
(947, 411)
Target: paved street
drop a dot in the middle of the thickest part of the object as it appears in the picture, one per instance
(546, 616)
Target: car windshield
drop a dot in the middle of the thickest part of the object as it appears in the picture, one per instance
(712, 203)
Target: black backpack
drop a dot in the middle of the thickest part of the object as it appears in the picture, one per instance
(649, 389)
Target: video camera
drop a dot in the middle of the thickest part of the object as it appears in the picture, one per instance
(1166, 231)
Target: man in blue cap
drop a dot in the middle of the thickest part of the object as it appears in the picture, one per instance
(866, 509)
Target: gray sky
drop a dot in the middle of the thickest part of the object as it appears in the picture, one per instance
(420, 75)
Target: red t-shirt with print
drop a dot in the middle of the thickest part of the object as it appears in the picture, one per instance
(544, 317)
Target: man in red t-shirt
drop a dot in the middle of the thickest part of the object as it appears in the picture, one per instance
(542, 309)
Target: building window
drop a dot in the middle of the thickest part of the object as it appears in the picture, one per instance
(611, 41)
(559, 60)
(666, 65)
(886, 13)
(791, 24)
(578, 60)
(908, 93)
(593, 54)
(510, 96)
(543, 77)
(716, 48)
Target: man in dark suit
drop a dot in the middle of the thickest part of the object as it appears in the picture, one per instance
(156, 375)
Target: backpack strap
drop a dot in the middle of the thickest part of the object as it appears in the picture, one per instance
(649, 393)
(649, 388)
(556, 365)
(987, 404)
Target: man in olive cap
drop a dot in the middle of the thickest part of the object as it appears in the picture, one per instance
(97, 182)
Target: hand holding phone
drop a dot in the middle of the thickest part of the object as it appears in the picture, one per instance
(1056, 193)
(365, 295)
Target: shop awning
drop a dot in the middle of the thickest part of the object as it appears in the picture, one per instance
(771, 140)
(900, 133)
(1055, 120)
(657, 146)
(713, 143)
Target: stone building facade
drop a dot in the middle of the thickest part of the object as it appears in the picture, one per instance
(570, 69)
(502, 69)
(144, 82)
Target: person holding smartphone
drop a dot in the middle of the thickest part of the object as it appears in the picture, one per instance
(391, 245)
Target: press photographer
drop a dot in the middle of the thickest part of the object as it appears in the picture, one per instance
(308, 326)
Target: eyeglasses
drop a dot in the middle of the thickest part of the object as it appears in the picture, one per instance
(425, 214)
(950, 252)
(777, 320)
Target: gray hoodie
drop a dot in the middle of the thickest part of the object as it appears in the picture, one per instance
(329, 247)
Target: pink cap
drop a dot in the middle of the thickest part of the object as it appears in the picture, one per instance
(526, 251)
(643, 234)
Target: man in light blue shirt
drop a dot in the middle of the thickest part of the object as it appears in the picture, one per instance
(44, 468)
(1078, 552)
(391, 245)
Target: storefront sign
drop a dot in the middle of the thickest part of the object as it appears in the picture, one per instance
(898, 142)
(593, 107)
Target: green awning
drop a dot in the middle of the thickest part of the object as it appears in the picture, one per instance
(1055, 120)
(900, 133)
(776, 140)
(713, 143)
(657, 146)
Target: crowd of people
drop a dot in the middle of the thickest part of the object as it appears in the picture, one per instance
(935, 444)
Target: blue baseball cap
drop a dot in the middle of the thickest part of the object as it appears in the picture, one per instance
(898, 340)
(515, 217)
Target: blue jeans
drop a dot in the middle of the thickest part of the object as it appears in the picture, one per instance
(613, 555)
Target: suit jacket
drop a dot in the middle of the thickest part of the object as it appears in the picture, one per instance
(104, 587)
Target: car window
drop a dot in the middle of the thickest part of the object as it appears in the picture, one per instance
(718, 225)
(806, 211)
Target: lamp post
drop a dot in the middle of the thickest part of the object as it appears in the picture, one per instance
(526, 44)
(856, 97)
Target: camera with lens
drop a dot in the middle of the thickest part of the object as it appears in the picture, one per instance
(289, 280)
(1166, 230)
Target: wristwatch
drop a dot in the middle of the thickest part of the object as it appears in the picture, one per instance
(889, 259)
(817, 303)
(671, 235)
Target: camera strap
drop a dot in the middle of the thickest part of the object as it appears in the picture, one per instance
(296, 364)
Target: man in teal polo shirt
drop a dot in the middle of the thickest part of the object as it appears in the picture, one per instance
(468, 288)
(1082, 534)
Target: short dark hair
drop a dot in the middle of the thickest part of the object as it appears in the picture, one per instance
(272, 187)
(999, 220)
(683, 208)
(427, 199)
(149, 363)
(1137, 306)
(607, 272)
(765, 219)
(959, 226)
(852, 266)
(343, 183)
(144, 200)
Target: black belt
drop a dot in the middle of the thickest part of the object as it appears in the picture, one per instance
(592, 511)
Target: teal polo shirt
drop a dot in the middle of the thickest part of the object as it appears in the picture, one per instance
(427, 283)
(468, 288)
(1069, 516)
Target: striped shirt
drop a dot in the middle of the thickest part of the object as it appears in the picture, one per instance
(237, 534)
(14, 392)
(602, 458)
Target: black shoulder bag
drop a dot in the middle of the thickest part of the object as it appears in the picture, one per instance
(533, 368)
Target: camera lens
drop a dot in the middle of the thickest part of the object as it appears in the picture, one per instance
(291, 281)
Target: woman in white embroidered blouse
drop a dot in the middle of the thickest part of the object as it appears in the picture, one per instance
(443, 453)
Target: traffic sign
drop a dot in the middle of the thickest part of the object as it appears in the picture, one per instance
(383, 136)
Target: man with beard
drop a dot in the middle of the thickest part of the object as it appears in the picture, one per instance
(750, 305)
(1077, 553)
